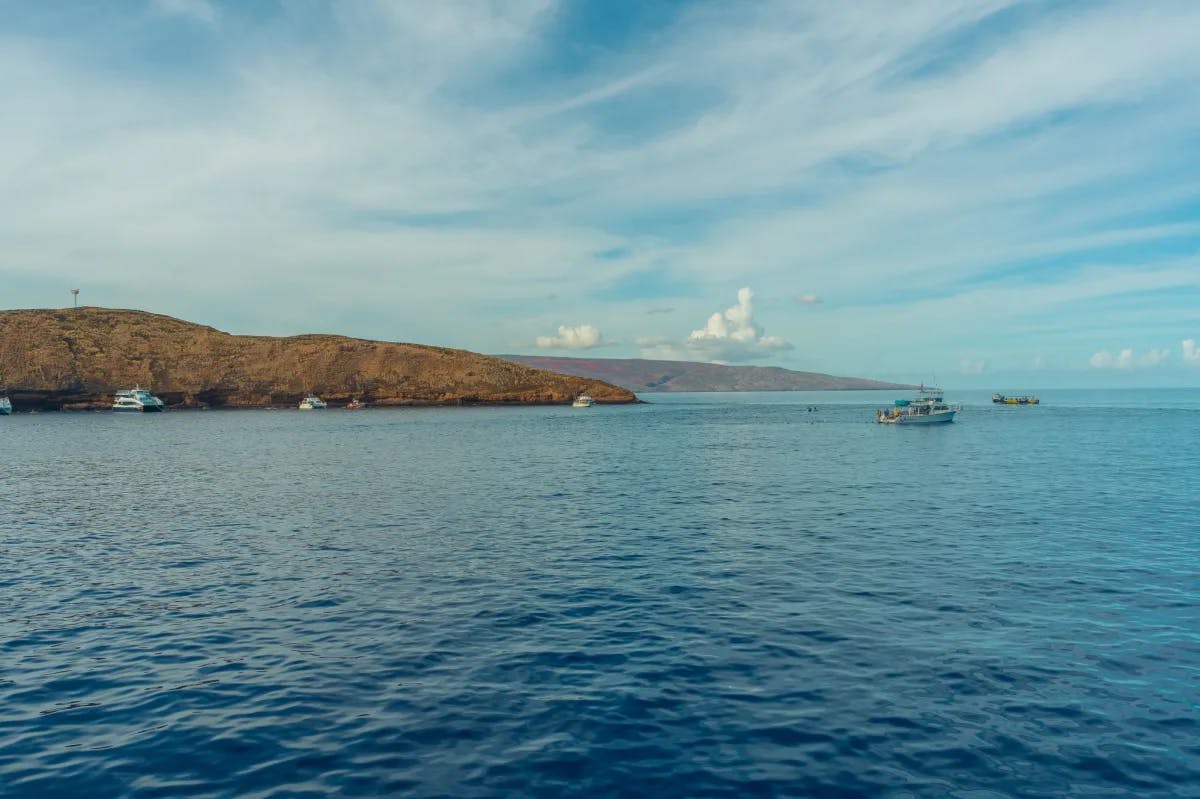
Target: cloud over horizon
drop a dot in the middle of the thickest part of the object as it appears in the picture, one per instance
(731, 336)
(580, 337)
(1125, 359)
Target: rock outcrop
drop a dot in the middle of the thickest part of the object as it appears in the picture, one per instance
(77, 358)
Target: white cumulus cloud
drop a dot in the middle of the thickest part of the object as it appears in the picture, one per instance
(808, 299)
(728, 336)
(733, 335)
(1125, 359)
(582, 337)
(1155, 357)
(1191, 354)
(1106, 360)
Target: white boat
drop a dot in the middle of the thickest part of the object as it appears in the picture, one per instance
(928, 407)
(583, 401)
(137, 400)
(312, 403)
(5, 406)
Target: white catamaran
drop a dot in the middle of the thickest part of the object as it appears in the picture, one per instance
(137, 399)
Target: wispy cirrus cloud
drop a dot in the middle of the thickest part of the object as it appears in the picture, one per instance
(196, 10)
(952, 159)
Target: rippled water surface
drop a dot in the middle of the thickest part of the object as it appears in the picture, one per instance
(707, 595)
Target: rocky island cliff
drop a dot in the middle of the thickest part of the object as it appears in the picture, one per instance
(76, 358)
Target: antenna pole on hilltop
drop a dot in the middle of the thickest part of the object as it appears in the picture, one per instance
(75, 296)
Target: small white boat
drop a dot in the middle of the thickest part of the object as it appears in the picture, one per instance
(312, 403)
(137, 400)
(5, 406)
(928, 407)
(583, 401)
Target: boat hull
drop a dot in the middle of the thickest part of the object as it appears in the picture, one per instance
(930, 418)
(143, 409)
(924, 418)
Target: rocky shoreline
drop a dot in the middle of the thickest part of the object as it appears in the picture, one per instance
(26, 402)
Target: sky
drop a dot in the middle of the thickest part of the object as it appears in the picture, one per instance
(983, 193)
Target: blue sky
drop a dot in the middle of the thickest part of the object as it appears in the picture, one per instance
(984, 192)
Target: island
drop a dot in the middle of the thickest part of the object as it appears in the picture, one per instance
(639, 374)
(77, 358)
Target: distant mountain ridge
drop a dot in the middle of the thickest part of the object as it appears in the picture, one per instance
(638, 374)
(78, 357)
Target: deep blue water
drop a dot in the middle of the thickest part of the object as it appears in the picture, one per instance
(708, 595)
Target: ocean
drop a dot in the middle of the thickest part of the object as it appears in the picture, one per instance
(705, 595)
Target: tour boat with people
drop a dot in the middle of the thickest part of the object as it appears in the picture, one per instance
(137, 400)
(1024, 399)
(928, 407)
(312, 403)
(5, 406)
(583, 401)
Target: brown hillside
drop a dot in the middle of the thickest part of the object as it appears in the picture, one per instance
(77, 358)
(637, 374)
